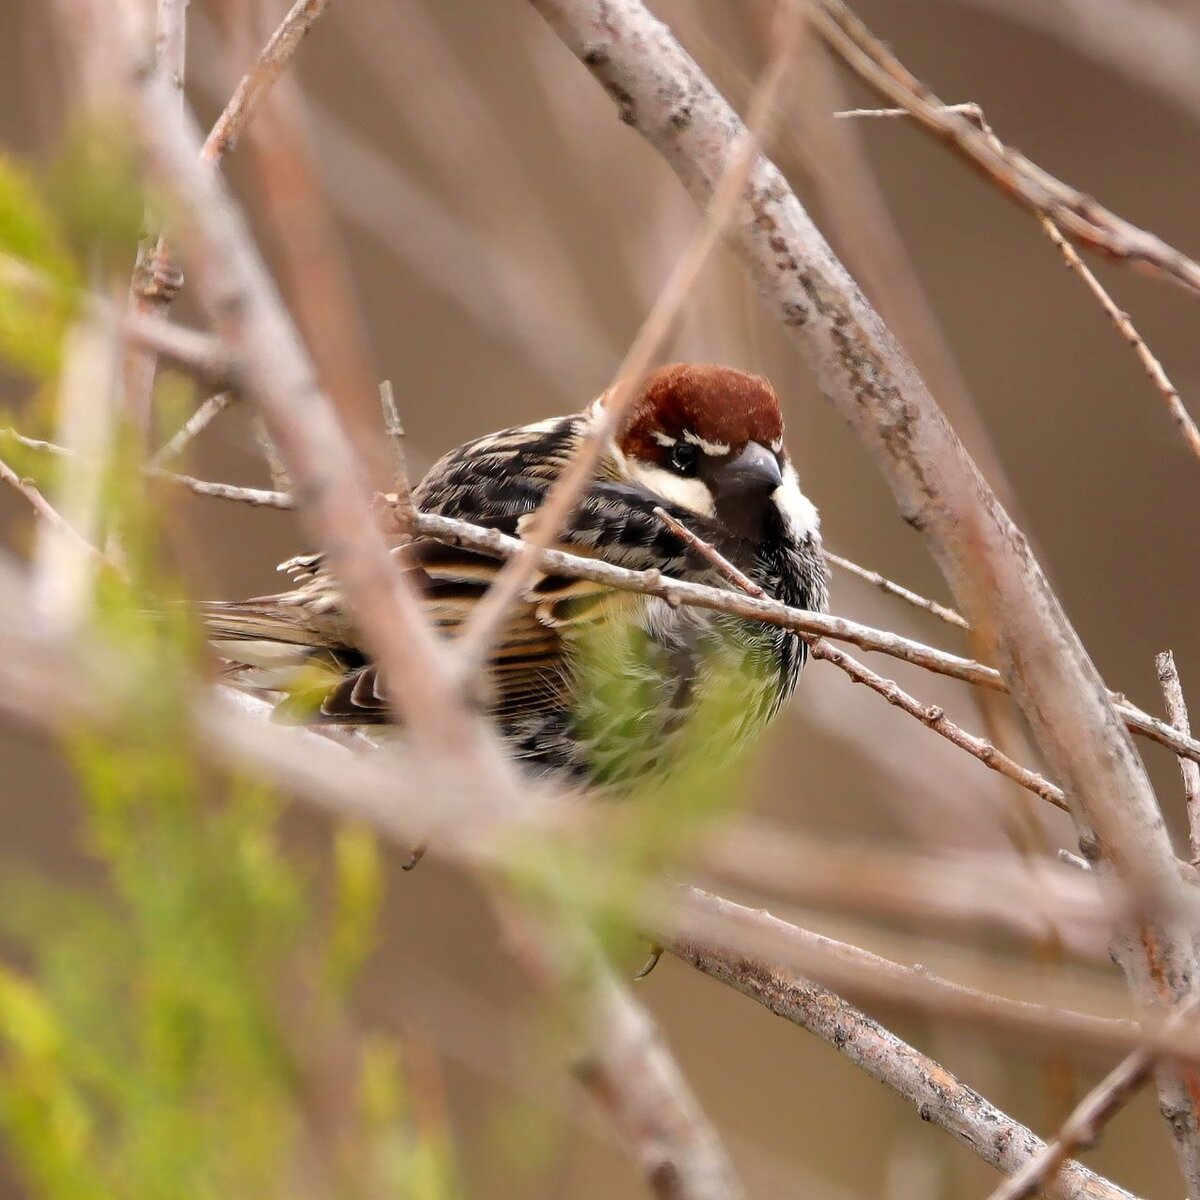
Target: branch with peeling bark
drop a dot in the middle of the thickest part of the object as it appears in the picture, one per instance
(993, 574)
(937, 1094)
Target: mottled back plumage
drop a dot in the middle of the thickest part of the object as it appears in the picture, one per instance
(589, 683)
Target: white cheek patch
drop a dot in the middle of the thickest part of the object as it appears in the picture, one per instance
(798, 510)
(691, 494)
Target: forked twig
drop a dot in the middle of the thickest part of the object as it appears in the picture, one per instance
(212, 408)
(394, 428)
(928, 714)
(43, 509)
(1121, 320)
(1081, 1129)
(1078, 215)
(942, 1098)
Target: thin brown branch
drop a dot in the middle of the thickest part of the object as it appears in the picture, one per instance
(255, 84)
(976, 893)
(1125, 327)
(1121, 320)
(941, 1097)
(949, 615)
(935, 718)
(156, 281)
(43, 509)
(1177, 714)
(200, 420)
(992, 573)
(928, 714)
(1082, 1128)
(1078, 215)
(198, 353)
(489, 615)
(401, 500)
(255, 497)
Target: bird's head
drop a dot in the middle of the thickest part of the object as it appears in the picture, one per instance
(710, 440)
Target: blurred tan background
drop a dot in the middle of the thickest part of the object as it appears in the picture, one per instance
(500, 236)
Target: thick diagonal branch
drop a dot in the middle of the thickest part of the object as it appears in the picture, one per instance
(998, 583)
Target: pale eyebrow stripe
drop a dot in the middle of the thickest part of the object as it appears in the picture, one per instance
(713, 448)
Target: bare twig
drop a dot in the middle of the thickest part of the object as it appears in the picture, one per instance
(935, 718)
(975, 892)
(42, 507)
(489, 615)
(1080, 1130)
(1124, 326)
(968, 109)
(1177, 714)
(938, 1095)
(156, 281)
(392, 427)
(248, 95)
(212, 408)
(1078, 215)
(1120, 319)
(928, 714)
(949, 615)
(991, 570)
(255, 497)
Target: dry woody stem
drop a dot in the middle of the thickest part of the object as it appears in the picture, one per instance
(1177, 714)
(862, 370)
(255, 84)
(939, 1096)
(1082, 1128)
(1154, 369)
(1078, 215)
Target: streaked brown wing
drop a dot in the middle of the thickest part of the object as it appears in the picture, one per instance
(302, 642)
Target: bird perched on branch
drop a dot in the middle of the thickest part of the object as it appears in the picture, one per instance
(594, 685)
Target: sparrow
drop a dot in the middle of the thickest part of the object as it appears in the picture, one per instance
(589, 685)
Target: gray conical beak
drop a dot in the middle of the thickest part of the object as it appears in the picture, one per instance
(753, 472)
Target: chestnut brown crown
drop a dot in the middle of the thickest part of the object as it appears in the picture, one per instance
(702, 404)
(710, 440)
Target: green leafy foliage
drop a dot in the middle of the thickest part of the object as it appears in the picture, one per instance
(38, 275)
(187, 1030)
(659, 825)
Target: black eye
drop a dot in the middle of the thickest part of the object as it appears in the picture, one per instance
(683, 458)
